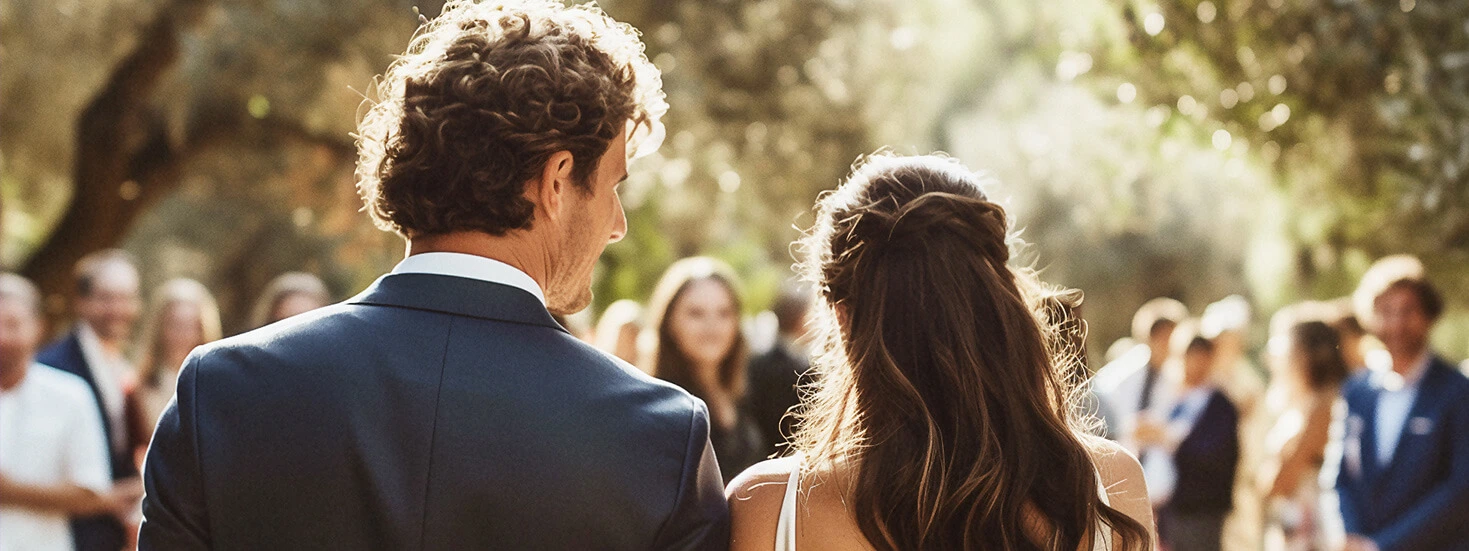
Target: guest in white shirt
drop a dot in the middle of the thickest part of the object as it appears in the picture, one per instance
(53, 461)
(1134, 384)
(106, 305)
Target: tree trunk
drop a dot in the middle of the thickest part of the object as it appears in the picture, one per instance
(123, 160)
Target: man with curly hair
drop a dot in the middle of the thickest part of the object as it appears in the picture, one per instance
(443, 408)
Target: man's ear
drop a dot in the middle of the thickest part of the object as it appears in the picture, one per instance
(555, 182)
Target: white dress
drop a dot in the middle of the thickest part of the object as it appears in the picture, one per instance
(785, 527)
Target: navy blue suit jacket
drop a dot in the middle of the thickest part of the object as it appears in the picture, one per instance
(1207, 458)
(104, 532)
(1419, 500)
(428, 412)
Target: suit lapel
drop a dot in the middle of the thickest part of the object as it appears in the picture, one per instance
(1368, 438)
(1423, 403)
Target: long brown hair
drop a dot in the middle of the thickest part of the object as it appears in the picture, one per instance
(937, 377)
(174, 291)
(668, 361)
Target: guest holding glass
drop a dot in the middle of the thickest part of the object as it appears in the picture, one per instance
(696, 317)
(181, 316)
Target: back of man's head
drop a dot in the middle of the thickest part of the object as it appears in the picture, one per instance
(484, 95)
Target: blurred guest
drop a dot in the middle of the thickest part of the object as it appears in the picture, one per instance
(775, 374)
(1309, 379)
(1190, 457)
(1120, 348)
(618, 330)
(1133, 383)
(696, 316)
(1344, 321)
(287, 295)
(181, 316)
(1403, 481)
(1227, 324)
(53, 453)
(106, 304)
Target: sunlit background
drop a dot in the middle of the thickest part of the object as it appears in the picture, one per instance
(1194, 149)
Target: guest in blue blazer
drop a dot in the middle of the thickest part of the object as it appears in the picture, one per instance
(1190, 459)
(443, 407)
(1403, 479)
(106, 302)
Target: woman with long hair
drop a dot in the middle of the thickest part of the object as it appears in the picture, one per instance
(181, 316)
(1311, 369)
(941, 416)
(287, 295)
(696, 318)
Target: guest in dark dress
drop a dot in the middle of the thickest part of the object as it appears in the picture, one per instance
(776, 373)
(696, 311)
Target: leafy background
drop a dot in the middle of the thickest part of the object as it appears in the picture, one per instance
(1194, 149)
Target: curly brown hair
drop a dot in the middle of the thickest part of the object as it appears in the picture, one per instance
(484, 95)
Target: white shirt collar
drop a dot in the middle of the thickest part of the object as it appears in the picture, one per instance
(108, 371)
(472, 267)
(1389, 380)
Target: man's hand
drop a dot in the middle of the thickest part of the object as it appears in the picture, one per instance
(124, 498)
(1149, 433)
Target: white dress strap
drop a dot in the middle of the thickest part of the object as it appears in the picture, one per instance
(1103, 539)
(785, 528)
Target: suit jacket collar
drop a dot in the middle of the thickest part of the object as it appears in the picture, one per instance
(458, 296)
(1430, 386)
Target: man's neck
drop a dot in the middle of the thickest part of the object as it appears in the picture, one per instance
(1404, 363)
(516, 248)
(111, 347)
(1156, 358)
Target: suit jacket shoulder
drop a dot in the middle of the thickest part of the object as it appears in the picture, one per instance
(441, 412)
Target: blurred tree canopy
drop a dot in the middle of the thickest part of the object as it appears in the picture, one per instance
(1191, 149)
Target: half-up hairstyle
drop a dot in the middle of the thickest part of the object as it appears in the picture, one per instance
(941, 376)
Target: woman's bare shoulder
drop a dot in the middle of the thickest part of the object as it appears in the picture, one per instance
(755, 498)
(1122, 476)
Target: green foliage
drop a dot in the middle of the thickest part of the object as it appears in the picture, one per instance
(1265, 147)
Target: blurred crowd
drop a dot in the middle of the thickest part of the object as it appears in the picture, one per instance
(1342, 432)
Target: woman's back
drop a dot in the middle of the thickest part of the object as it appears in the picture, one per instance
(765, 512)
(940, 416)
